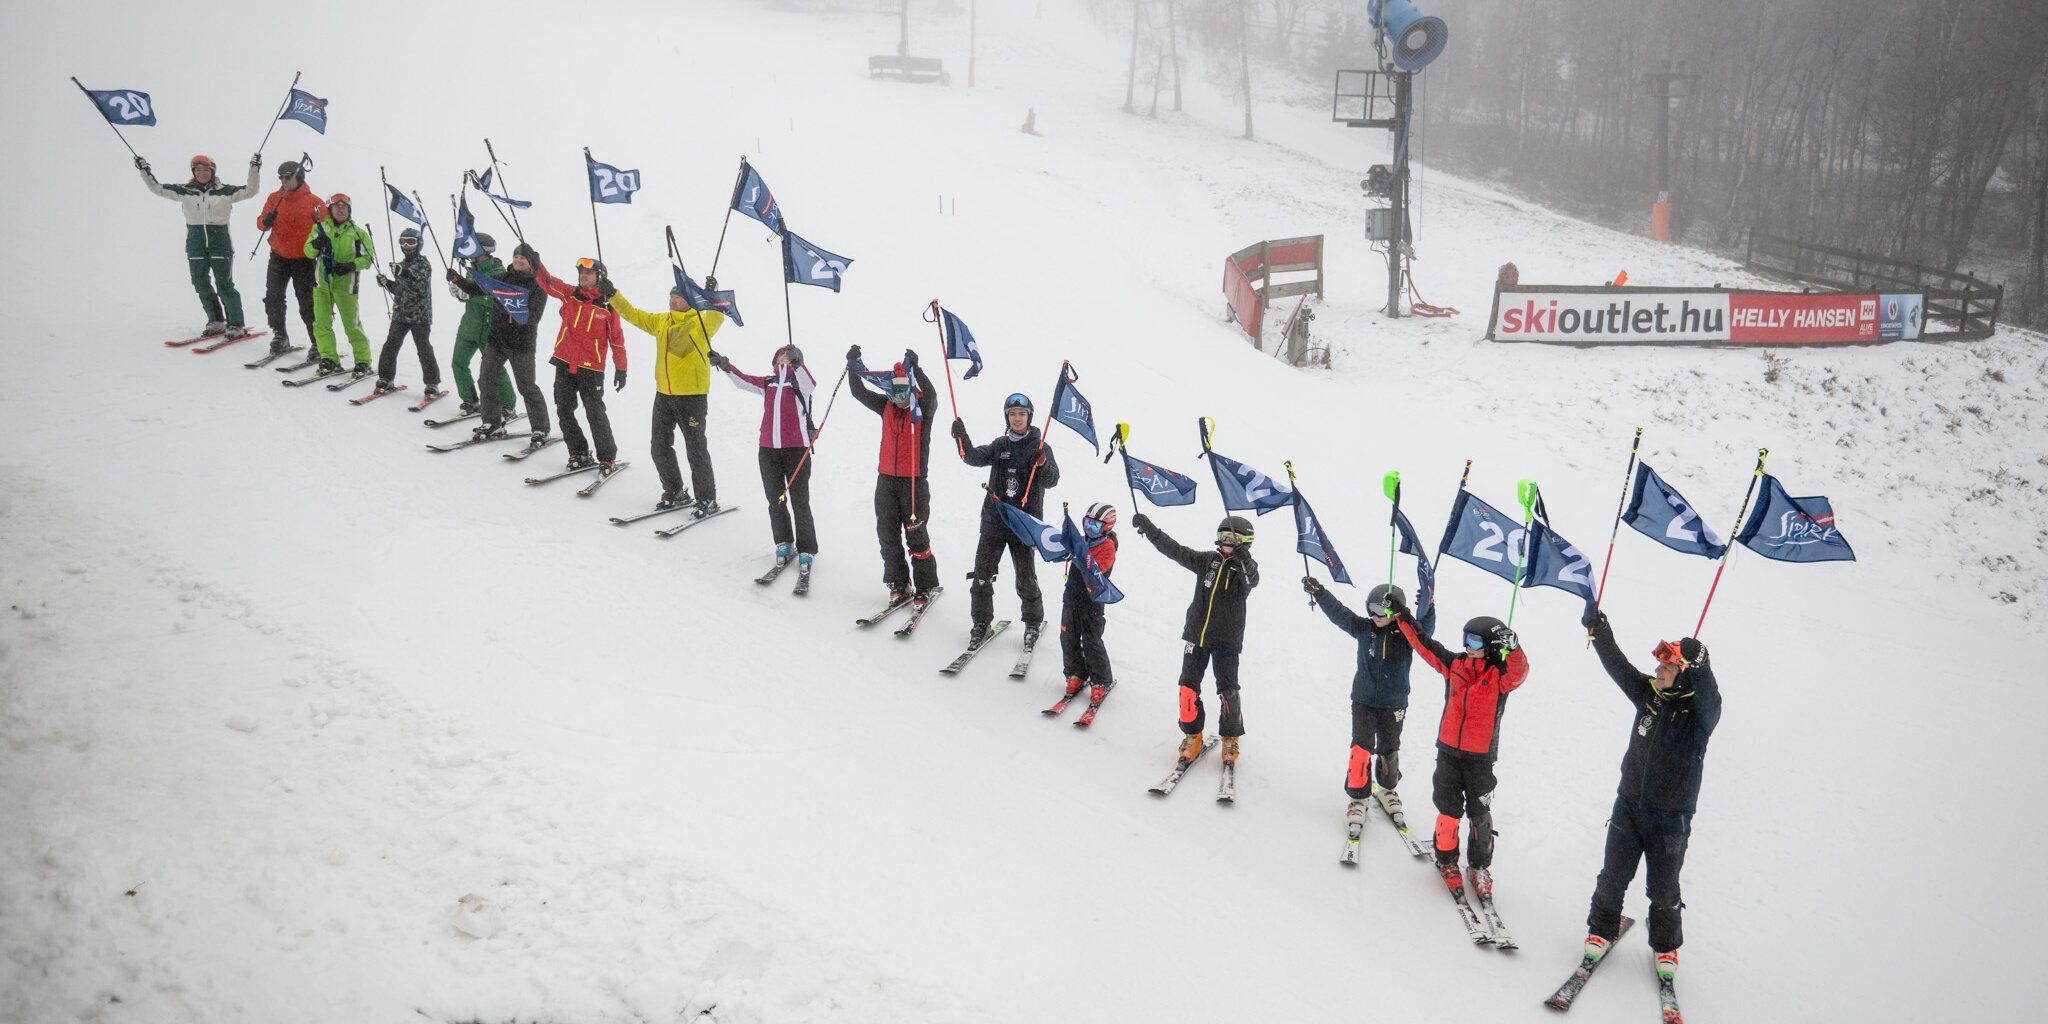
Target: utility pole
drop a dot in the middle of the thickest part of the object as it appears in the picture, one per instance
(1666, 87)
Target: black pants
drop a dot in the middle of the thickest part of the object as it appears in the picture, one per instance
(1192, 714)
(1375, 749)
(902, 517)
(776, 466)
(496, 359)
(387, 361)
(1082, 654)
(1659, 838)
(300, 274)
(1463, 788)
(572, 385)
(686, 412)
(988, 557)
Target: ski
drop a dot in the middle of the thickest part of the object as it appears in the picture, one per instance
(432, 396)
(803, 579)
(472, 441)
(1094, 705)
(1180, 769)
(354, 379)
(1667, 995)
(509, 420)
(651, 513)
(1030, 645)
(1390, 802)
(994, 630)
(697, 515)
(887, 610)
(1060, 706)
(1226, 791)
(531, 448)
(192, 341)
(303, 381)
(921, 604)
(774, 570)
(1456, 883)
(1501, 939)
(567, 472)
(271, 358)
(312, 359)
(602, 476)
(1562, 998)
(225, 342)
(374, 395)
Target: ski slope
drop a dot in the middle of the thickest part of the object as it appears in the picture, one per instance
(279, 689)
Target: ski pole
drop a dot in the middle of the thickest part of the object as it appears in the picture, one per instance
(1120, 445)
(281, 108)
(116, 128)
(1439, 559)
(1761, 454)
(1627, 478)
(1304, 554)
(429, 222)
(1066, 374)
(1525, 492)
(1391, 484)
(933, 316)
(737, 181)
(827, 418)
(593, 212)
(507, 186)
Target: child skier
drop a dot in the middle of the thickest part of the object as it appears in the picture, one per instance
(1379, 690)
(903, 494)
(411, 285)
(1214, 632)
(785, 439)
(340, 246)
(1020, 469)
(1082, 653)
(1476, 687)
(682, 380)
(210, 256)
(589, 326)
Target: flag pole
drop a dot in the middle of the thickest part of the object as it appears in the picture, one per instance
(1761, 454)
(720, 251)
(1525, 492)
(1627, 478)
(386, 182)
(676, 253)
(429, 222)
(281, 108)
(1123, 446)
(1304, 554)
(1391, 484)
(470, 177)
(305, 164)
(938, 320)
(1066, 368)
(599, 235)
(507, 186)
(103, 116)
(456, 213)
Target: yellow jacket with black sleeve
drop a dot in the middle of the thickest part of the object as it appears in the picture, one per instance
(685, 339)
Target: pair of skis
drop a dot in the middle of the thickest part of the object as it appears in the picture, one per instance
(1087, 717)
(474, 441)
(224, 340)
(803, 574)
(374, 395)
(1017, 671)
(1482, 924)
(919, 605)
(1354, 830)
(1667, 991)
(603, 474)
(1226, 792)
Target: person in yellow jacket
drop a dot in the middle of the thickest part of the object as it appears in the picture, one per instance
(340, 247)
(682, 377)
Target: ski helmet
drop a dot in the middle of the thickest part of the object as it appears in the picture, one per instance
(204, 161)
(595, 266)
(1101, 519)
(1686, 653)
(1380, 599)
(489, 244)
(1481, 630)
(1019, 400)
(409, 235)
(340, 199)
(1235, 530)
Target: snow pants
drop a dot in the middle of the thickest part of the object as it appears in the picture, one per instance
(988, 558)
(1375, 749)
(1636, 833)
(685, 413)
(1192, 715)
(299, 275)
(387, 361)
(337, 294)
(211, 258)
(1082, 654)
(587, 386)
(470, 336)
(902, 520)
(776, 466)
(1463, 788)
(495, 413)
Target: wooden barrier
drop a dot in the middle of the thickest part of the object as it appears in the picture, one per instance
(1248, 285)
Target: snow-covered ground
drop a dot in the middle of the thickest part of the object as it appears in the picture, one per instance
(279, 689)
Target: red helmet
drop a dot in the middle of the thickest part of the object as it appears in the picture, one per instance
(205, 161)
(341, 198)
(1101, 519)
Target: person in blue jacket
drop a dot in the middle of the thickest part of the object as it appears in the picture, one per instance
(1379, 690)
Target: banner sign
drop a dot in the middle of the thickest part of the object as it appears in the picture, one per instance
(1698, 316)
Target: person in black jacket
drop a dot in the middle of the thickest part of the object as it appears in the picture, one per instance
(1020, 468)
(511, 343)
(1379, 690)
(1214, 632)
(1676, 711)
(411, 285)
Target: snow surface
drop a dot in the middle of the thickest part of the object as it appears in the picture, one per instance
(300, 722)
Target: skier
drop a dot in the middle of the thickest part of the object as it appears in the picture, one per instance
(1476, 687)
(682, 378)
(1379, 690)
(207, 202)
(1214, 632)
(341, 246)
(785, 439)
(289, 215)
(1677, 709)
(1082, 654)
(589, 326)
(412, 288)
(510, 343)
(903, 494)
(1020, 469)
(475, 330)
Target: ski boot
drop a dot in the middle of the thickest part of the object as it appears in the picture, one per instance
(803, 561)
(329, 366)
(673, 499)
(1355, 813)
(1481, 880)
(1596, 947)
(383, 386)
(362, 370)
(469, 407)
(1452, 879)
(1230, 750)
(581, 461)
(977, 636)
(1390, 800)
(1073, 687)
(279, 344)
(1096, 692)
(1667, 964)
(237, 331)
(782, 551)
(213, 327)
(604, 469)
(490, 433)
(705, 508)
(1190, 748)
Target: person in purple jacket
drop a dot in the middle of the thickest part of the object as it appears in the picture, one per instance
(785, 440)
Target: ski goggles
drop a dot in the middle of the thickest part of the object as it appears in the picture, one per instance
(1474, 642)
(1379, 610)
(1232, 537)
(1669, 653)
(586, 263)
(1093, 528)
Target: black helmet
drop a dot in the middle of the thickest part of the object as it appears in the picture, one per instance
(1020, 400)
(490, 244)
(1237, 528)
(1380, 600)
(1482, 627)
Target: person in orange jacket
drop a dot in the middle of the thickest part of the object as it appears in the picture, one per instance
(289, 215)
(589, 327)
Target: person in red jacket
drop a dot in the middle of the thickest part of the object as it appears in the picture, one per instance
(289, 215)
(589, 326)
(903, 495)
(1082, 620)
(1476, 687)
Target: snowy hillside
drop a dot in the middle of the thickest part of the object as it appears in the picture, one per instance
(279, 688)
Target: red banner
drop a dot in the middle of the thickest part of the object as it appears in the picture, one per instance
(1794, 319)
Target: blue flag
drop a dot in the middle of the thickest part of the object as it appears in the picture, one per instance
(1425, 573)
(1060, 545)
(466, 245)
(1100, 589)
(1659, 512)
(1554, 562)
(512, 297)
(884, 381)
(1793, 529)
(750, 196)
(608, 184)
(307, 109)
(1070, 408)
(1480, 535)
(484, 182)
(804, 263)
(1314, 542)
(404, 207)
(123, 106)
(704, 301)
(1246, 489)
(1162, 486)
(960, 342)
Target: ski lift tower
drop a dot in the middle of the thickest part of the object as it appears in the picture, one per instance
(1383, 97)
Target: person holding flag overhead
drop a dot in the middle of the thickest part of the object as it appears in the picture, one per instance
(682, 380)
(478, 310)
(785, 442)
(209, 254)
(341, 246)
(903, 494)
(412, 289)
(1213, 635)
(510, 342)
(289, 214)
(1082, 622)
(1379, 689)
(589, 327)
(1020, 469)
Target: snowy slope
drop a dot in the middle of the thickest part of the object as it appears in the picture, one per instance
(675, 790)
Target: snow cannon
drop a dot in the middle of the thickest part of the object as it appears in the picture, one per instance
(1417, 39)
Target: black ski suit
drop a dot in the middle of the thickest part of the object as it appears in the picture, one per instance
(1009, 459)
(1214, 632)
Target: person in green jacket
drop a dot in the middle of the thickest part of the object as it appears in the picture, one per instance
(340, 247)
(206, 201)
(474, 330)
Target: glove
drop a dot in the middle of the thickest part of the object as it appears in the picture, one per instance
(141, 164)
(383, 282)
(1504, 638)
(606, 288)
(1039, 463)
(711, 282)
(343, 268)
(256, 161)
(909, 359)
(453, 276)
(268, 220)
(1142, 523)
(322, 242)
(853, 355)
(959, 431)
(1310, 585)
(1594, 619)
(718, 360)
(619, 379)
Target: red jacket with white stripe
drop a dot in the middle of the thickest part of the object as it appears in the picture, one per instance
(589, 325)
(785, 397)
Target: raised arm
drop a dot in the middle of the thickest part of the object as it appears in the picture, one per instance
(1634, 684)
